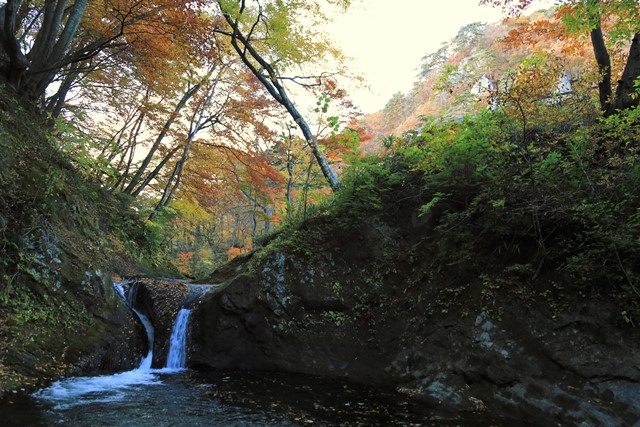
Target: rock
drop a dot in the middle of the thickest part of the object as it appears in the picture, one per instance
(159, 300)
(441, 339)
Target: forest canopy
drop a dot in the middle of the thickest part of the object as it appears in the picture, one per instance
(198, 112)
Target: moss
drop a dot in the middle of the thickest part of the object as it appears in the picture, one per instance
(56, 224)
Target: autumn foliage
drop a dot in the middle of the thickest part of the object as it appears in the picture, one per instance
(187, 108)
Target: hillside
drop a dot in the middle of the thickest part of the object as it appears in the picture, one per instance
(471, 72)
(63, 238)
(197, 227)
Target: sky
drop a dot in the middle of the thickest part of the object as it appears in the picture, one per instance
(386, 40)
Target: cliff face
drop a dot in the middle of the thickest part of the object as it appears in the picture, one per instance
(366, 304)
(59, 240)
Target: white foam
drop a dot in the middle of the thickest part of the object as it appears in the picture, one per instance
(120, 291)
(77, 391)
(84, 390)
(177, 358)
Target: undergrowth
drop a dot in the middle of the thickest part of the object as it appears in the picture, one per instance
(562, 202)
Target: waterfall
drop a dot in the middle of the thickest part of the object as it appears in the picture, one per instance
(177, 358)
(119, 287)
(145, 363)
(70, 392)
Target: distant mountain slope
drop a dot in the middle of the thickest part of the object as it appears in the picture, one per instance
(458, 78)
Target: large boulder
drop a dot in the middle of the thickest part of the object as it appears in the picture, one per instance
(356, 308)
(160, 300)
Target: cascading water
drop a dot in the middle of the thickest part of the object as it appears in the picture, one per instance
(70, 392)
(177, 358)
(106, 388)
(145, 363)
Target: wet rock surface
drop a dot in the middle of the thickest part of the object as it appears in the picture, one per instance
(69, 322)
(160, 300)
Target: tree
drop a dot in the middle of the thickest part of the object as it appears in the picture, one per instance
(590, 16)
(268, 39)
(43, 42)
(137, 183)
(49, 51)
(143, 93)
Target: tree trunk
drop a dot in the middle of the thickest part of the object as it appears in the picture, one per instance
(73, 22)
(307, 184)
(131, 143)
(327, 171)
(57, 102)
(626, 92)
(195, 126)
(268, 214)
(254, 219)
(165, 129)
(17, 64)
(279, 93)
(48, 53)
(289, 194)
(152, 175)
(604, 67)
(51, 21)
(174, 179)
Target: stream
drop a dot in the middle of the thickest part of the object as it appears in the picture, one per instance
(219, 398)
(176, 396)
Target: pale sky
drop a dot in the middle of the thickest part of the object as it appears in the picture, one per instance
(387, 39)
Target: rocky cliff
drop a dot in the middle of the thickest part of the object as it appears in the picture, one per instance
(367, 304)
